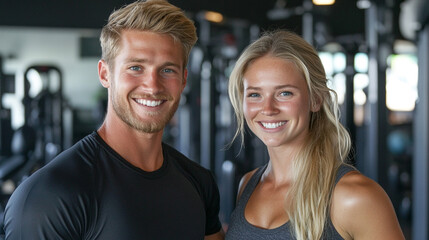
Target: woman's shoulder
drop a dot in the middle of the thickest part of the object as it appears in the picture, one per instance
(361, 207)
(244, 181)
(356, 185)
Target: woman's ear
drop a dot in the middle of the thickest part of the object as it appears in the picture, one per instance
(316, 104)
(103, 73)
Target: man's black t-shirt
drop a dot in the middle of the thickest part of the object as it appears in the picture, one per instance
(90, 192)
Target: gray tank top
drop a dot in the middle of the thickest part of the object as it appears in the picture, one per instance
(239, 228)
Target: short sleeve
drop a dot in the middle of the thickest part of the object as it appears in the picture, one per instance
(50, 204)
(212, 203)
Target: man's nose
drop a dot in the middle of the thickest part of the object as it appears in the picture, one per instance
(152, 81)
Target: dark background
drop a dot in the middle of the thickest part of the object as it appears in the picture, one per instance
(343, 17)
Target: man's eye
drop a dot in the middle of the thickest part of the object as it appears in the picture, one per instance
(135, 68)
(168, 70)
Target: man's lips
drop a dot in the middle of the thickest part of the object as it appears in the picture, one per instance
(148, 103)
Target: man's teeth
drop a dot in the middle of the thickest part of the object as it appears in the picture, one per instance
(273, 125)
(149, 102)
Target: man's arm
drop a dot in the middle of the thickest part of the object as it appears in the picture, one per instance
(48, 205)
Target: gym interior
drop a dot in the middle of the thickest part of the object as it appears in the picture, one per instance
(375, 53)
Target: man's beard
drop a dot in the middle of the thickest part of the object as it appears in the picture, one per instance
(157, 123)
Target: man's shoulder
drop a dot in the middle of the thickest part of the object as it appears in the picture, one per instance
(85, 152)
(199, 176)
(67, 172)
(62, 189)
(179, 158)
(86, 148)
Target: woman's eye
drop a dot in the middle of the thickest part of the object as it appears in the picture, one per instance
(253, 95)
(286, 94)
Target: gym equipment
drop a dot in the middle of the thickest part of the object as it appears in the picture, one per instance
(206, 122)
(23, 146)
(40, 138)
(45, 111)
(6, 86)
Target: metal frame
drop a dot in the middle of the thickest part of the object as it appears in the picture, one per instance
(421, 144)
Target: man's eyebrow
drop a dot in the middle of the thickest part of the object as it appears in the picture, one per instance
(139, 60)
(143, 60)
(172, 64)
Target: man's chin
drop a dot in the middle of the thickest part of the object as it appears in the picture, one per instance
(151, 129)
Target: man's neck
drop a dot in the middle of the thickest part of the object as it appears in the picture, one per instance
(143, 150)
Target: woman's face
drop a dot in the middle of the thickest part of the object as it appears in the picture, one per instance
(276, 102)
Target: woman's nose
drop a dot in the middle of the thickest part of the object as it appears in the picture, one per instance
(270, 107)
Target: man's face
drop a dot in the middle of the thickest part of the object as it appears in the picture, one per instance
(147, 80)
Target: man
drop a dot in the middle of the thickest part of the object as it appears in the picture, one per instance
(122, 182)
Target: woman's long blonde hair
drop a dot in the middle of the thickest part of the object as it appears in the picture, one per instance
(328, 143)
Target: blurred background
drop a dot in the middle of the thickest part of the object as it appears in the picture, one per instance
(375, 53)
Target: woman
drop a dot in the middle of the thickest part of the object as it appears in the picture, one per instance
(306, 190)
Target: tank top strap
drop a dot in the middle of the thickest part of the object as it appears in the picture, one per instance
(343, 170)
(251, 185)
(330, 232)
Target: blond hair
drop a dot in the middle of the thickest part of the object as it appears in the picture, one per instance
(328, 143)
(157, 16)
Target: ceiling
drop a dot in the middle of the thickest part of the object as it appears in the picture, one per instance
(93, 14)
(342, 18)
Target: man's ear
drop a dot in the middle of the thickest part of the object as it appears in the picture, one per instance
(103, 73)
(185, 78)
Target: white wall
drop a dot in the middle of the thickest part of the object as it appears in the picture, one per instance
(23, 47)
